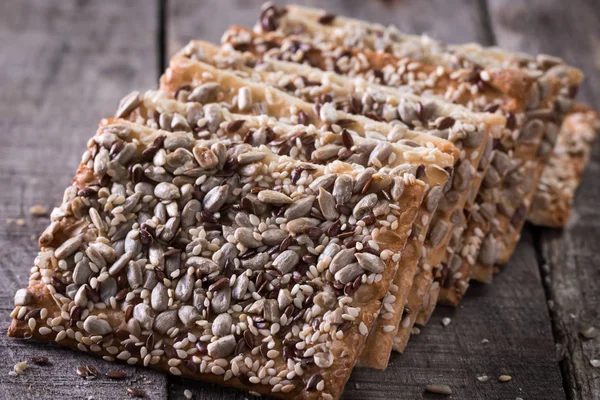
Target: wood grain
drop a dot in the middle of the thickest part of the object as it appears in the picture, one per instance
(511, 314)
(65, 65)
(570, 30)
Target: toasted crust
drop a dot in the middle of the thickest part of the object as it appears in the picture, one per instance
(551, 204)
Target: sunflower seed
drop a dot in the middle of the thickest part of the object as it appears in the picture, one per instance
(327, 152)
(120, 263)
(128, 104)
(487, 252)
(188, 215)
(185, 288)
(433, 198)
(215, 198)
(438, 232)
(156, 254)
(159, 299)
(165, 320)
(271, 310)
(250, 157)
(132, 243)
(531, 131)
(327, 204)
(341, 259)
(348, 273)
(166, 191)
(462, 176)
(205, 93)
(108, 289)
(491, 178)
(286, 261)
(325, 300)
(205, 157)
(80, 297)
(257, 262)
(370, 262)
(365, 206)
(227, 252)
(204, 265)
(170, 229)
(176, 140)
(221, 325)
(246, 237)
(198, 299)
(82, 272)
(221, 300)
(69, 247)
(380, 154)
(300, 225)
(240, 287)
(273, 237)
(342, 189)
(134, 275)
(222, 347)
(179, 123)
(144, 314)
(325, 181)
(188, 315)
(273, 197)
(95, 256)
(299, 208)
(96, 326)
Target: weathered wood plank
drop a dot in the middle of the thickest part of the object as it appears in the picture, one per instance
(511, 314)
(569, 30)
(64, 64)
(208, 19)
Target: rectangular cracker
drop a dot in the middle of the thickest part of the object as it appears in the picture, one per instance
(556, 82)
(551, 204)
(316, 86)
(366, 66)
(215, 325)
(406, 269)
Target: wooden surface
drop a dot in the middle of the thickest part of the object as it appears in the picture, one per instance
(65, 64)
(570, 265)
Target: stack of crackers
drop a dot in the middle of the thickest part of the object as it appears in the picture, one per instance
(296, 201)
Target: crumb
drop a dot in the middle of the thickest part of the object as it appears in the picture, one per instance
(187, 393)
(484, 341)
(38, 210)
(20, 367)
(483, 378)
(20, 222)
(446, 321)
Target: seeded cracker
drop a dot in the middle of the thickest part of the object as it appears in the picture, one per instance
(239, 38)
(195, 72)
(552, 80)
(551, 204)
(468, 130)
(185, 302)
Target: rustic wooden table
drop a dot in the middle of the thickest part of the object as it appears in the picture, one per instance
(64, 64)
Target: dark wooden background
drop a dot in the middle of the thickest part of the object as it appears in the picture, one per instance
(64, 64)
